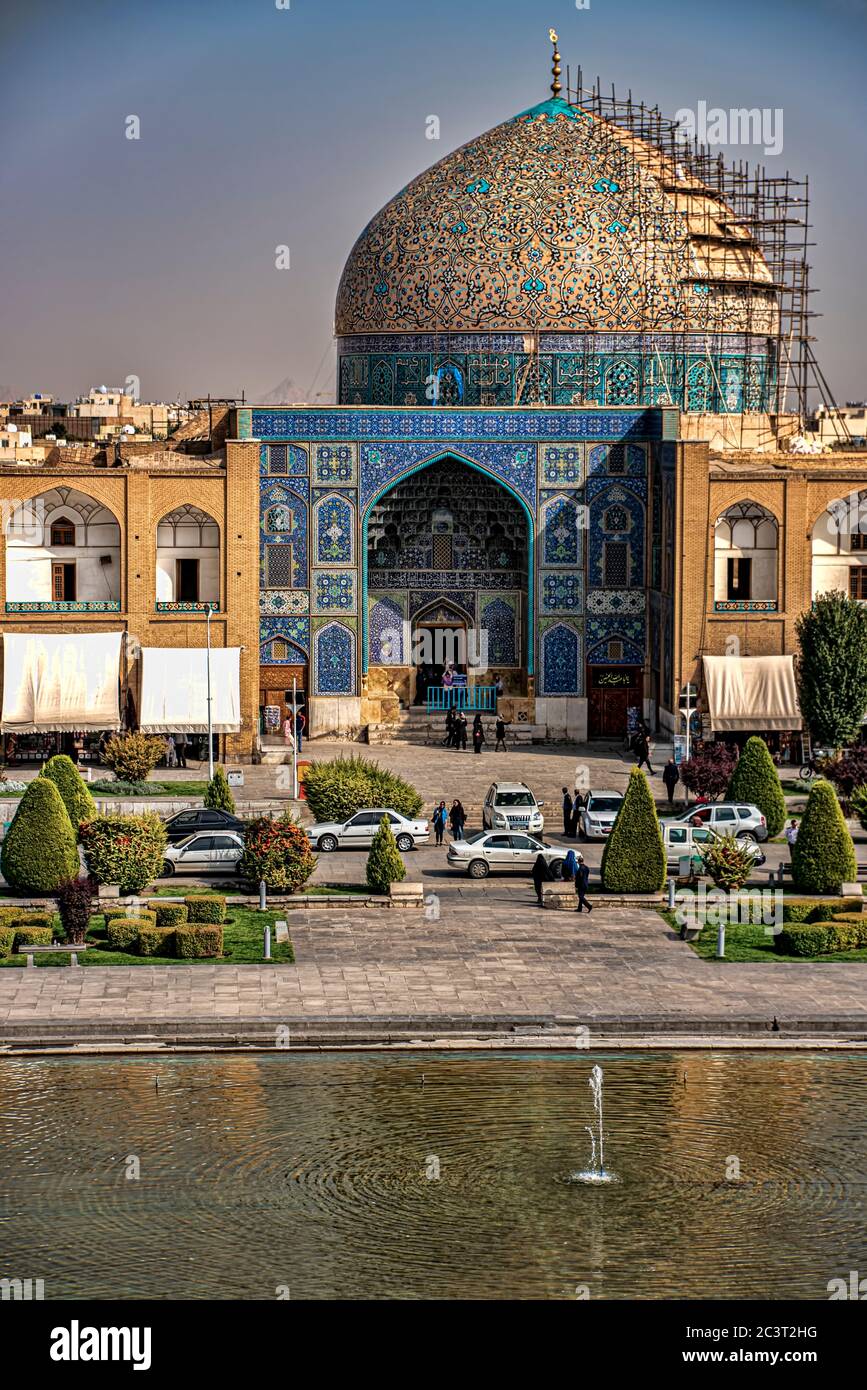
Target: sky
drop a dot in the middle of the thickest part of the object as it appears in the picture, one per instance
(269, 123)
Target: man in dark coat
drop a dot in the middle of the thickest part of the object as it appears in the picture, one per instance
(540, 875)
(670, 777)
(567, 812)
(582, 880)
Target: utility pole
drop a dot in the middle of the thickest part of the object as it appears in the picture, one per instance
(210, 721)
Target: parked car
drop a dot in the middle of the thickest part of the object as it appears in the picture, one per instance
(487, 850)
(599, 814)
(728, 817)
(185, 823)
(204, 854)
(359, 830)
(680, 840)
(512, 806)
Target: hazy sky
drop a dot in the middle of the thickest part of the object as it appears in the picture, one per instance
(263, 126)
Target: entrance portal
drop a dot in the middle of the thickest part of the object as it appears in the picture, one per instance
(613, 690)
(436, 646)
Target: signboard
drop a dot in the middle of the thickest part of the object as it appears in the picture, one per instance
(272, 719)
(679, 748)
(235, 778)
(633, 715)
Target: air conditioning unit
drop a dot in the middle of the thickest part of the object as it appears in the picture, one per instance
(105, 559)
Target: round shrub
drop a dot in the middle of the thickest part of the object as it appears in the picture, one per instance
(39, 851)
(633, 860)
(33, 936)
(218, 793)
(755, 780)
(155, 941)
(168, 914)
(126, 850)
(133, 756)
(202, 908)
(72, 787)
(338, 788)
(145, 914)
(384, 864)
(7, 940)
(279, 852)
(823, 855)
(192, 943)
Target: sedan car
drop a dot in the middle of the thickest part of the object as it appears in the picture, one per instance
(492, 849)
(204, 854)
(185, 823)
(727, 818)
(599, 814)
(682, 840)
(359, 830)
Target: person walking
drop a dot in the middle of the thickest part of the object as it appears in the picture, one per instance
(181, 748)
(791, 833)
(448, 741)
(300, 725)
(670, 777)
(171, 752)
(500, 728)
(478, 734)
(540, 875)
(457, 820)
(642, 751)
(288, 725)
(577, 808)
(461, 731)
(568, 806)
(440, 816)
(570, 867)
(582, 880)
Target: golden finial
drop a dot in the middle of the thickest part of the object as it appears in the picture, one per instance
(555, 67)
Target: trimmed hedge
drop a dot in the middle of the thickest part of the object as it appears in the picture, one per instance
(192, 943)
(168, 914)
(823, 855)
(633, 860)
(126, 850)
(155, 941)
(122, 932)
(755, 780)
(806, 910)
(205, 909)
(133, 757)
(23, 917)
(823, 938)
(7, 941)
(338, 788)
(39, 851)
(73, 789)
(33, 936)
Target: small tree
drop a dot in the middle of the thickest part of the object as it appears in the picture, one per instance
(823, 855)
(39, 850)
(74, 903)
(126, 850)
(708, 771)
(755, 780)
(726, 863)
(633, 860)
(832, 668)
(73, 789)
(218, 793)
(279, 852)
(133, 757)
(384, 864)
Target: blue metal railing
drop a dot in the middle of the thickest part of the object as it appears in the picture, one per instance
(475, 697)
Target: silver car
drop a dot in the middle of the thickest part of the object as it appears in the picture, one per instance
(359, 830)
(204, 854)
(495, 849)
(681, 840)
(726, 818)
(599, 814)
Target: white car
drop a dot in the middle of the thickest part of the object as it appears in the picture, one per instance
(681, 840)
(726, 817)
(512, 806)
(487, 850)
(204, 854)
(599, 814)
(359, 830)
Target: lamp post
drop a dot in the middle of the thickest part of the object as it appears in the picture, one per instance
(295, 738)
(687, 700)
(210, 722)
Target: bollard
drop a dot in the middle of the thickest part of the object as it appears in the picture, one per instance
(263, 895)
(268, 942)
(721, 941)
(671, 886)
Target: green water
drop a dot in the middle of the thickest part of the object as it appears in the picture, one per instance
(433, 1176)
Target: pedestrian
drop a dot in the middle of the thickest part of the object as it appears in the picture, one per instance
(582, 880)
(478, 734)
(288, 724)
(171, 752)
(670, 777)
(461, 731)
(568, 806)
(791, 832)
(457, 820)
(570, 867)
(181, 748)
(448, 741)
(499, 689)
(642, 751)
(540, 875)
(440, 816)
(577, 808)
(500, 728)
(300, 725)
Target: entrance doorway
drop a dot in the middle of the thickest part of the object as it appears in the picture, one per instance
(613, 689)
(437, 645)
(275, 697)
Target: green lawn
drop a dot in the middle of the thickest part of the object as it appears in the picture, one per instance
(242, 945)
(745, 942)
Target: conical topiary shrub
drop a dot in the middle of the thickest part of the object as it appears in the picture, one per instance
(756, 780)
(384, 864)
(633, 860)
(39, 851)
(823, 856)
(218, 793)
(73, 789)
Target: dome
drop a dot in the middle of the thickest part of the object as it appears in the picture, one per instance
(557, 221)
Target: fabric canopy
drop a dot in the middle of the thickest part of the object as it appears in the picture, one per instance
(65, 682)
(751, 692)
(174, 690)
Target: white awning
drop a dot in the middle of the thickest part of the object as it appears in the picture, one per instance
(65, 682)
(174, 690)
(744, 693)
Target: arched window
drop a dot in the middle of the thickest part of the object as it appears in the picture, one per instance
(41, 571)
(745, 557)
(188, 558)
(839, 547)
(63, 531)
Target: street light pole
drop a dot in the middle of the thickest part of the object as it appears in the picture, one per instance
(295, 738)
(210, 722)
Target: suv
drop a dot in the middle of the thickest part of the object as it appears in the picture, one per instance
(726, 817)
(681, 840)
(598, 814)
(512, 806)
